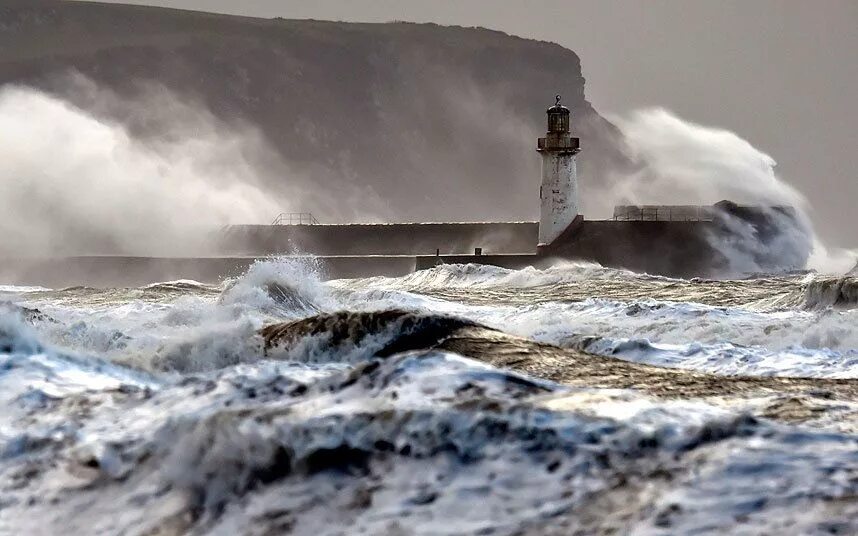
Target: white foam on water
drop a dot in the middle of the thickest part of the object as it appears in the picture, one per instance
(193, 330)
(21, 289)
(730, 359)
(219, 435)
(731, 340)
(487, 276)
(177, 283)
(728, 340)
(724, 340)
(240, 445)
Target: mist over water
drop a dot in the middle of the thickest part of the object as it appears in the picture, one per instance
(74, 183)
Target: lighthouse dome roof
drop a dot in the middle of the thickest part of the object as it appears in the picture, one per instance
(557, 108)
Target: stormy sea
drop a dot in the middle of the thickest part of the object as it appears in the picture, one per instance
(464, 399)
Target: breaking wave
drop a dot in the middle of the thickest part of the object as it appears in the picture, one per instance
(358, 336)
(280, 285)
(486, 276)
(727, 358)
(839, 292)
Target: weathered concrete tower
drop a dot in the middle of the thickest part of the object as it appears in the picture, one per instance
(558, 194)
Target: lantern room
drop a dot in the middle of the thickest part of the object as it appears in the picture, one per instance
(558, 117)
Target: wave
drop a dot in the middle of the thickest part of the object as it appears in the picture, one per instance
(413, 436)
(352, 338)
(16, 337)
(182, 326)
(177, 283)
(282, 284)
(355, 336)
(178, 286)
(195, 334)
(28, 314)
(268, 405)
(727, 358)
(488, 285)
(385, 446)
(33, 369)
(486, 276)
(839, 292)
(667, 322)
(18, 289)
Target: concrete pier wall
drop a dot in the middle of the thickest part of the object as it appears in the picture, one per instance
(678, 249)
(381, 239)
(673, 249)
(669, 248)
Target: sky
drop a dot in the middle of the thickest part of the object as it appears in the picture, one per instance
(782, 74)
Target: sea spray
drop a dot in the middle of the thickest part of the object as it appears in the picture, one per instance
(103, 191)
(680, 162)
(185, 326)
(285, 284)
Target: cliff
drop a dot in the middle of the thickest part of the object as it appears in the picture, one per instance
(422, 122)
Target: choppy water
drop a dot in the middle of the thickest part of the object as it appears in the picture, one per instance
(164, 410)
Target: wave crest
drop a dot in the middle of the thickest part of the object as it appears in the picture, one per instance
(482, 276)
(281, 285)
(355, 336)
(837, 292)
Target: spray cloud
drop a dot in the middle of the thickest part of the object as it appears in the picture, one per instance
(74, 183)
(679, 162)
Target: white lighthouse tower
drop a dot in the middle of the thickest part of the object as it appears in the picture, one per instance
(558, 194)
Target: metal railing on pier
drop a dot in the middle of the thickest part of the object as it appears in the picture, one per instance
(663, 213)
(295, 218)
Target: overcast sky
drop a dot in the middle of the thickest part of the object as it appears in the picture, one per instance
(781, 73)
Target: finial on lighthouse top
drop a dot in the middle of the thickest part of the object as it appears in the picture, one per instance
(558, 108)
(558, 117)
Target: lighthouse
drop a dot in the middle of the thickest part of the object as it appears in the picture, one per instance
(558, 194)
